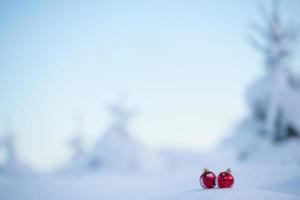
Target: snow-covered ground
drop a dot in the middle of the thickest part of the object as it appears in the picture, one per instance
(252, 181)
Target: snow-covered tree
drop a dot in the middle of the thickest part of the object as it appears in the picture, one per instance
(277, 39)
(76, 140)
(274, 99)
(77, 163)
(117, 149)
(13, 166)
(7, 143)
(76, 145)
(272, 96)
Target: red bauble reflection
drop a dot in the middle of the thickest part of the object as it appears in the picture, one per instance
(225, 179)
(207, 179)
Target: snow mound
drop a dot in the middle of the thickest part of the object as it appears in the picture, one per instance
(288, 186)
(229, 194)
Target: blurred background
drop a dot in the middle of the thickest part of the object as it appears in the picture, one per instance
(87, 84)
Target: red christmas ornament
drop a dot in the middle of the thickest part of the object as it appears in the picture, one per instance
(207, 179)
(225, 179)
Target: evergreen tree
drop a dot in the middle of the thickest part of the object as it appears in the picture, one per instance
(276, 42)
(76, 141)
(7, 142)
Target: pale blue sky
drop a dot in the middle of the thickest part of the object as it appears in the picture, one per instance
(184, 64)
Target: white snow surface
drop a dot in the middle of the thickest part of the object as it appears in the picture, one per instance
(252, 181)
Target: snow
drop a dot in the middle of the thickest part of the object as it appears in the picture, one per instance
(129, 170)
(230, 194)
(263, 152)
(122, 167)
(251, 182)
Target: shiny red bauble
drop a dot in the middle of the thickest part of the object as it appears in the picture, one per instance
(225, 179)
(207, 179)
